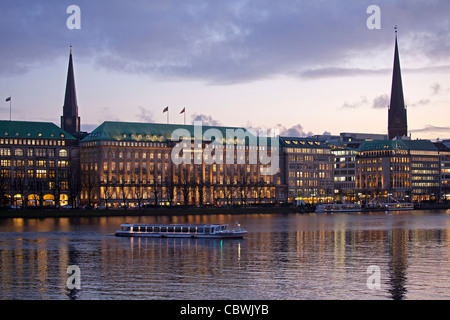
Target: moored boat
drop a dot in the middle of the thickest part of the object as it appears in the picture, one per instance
(394, 206)
(214, 231)
(338, 207)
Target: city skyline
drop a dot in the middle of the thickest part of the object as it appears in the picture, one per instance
(299, 67)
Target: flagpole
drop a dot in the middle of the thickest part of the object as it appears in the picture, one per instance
(9, 99)
(184, 111)
(166, 109)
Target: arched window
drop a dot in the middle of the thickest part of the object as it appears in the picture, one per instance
(18, 152)
(63, 153)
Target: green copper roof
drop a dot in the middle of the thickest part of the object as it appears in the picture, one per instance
(379, 145)
(148, 132)
(425, 145)
(32, 130)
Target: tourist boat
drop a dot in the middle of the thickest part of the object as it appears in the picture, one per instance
(393, 206)
(214, 231)
(338, 207)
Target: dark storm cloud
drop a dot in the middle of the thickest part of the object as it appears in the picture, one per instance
(220, 41)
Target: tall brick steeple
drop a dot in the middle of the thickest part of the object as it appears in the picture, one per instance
(70, 121)
(397, 120)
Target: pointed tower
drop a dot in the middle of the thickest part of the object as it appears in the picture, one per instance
(70, 121)
(397, 121)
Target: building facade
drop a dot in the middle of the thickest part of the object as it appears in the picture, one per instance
(444, 153)
(425, 170)
(383, 170)
(38, 164)
(344, 172)
(307, 169)
(406, 170)
(131, 164)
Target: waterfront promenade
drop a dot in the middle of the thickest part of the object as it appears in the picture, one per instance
(163, 211)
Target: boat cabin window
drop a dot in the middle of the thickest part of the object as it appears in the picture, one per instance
(136, 229)
(125, 228)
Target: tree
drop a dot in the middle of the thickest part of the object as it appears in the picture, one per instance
(243, 184)
(5, 184)
(170, 189)
(184, 183)
(74, 183)
(124, 190)
(156, 184)
(138, 190)
(108, 187)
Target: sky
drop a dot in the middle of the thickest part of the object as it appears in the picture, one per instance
(302, 67)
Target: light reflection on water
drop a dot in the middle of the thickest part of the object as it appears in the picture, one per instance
(282, 257)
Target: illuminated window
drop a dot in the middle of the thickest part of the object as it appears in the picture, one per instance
(63, 153)
(5, 151)
(41, 174)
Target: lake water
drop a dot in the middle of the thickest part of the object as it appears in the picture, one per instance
(284, 256)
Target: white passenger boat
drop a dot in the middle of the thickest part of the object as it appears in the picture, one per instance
(394, 206)
(338, 207)
(215, 231)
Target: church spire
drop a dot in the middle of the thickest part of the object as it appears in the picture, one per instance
(70, 121)
(397, 120)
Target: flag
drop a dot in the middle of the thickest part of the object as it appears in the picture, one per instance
(166, 109)
(182, 111)
(8, 99)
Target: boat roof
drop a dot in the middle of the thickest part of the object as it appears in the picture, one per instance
(172, 224)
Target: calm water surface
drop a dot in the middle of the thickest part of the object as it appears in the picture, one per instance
(288, 256)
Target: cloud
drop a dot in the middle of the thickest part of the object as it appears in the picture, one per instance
(381, 102)
(294, 131)
(205, 119)
(331, 72)
(436, 88)
(281, 130)
(221, 42)
(422, 102)
(432, 129)
(356, 104)
(88, 127)
(107, 115)
(145, 115)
